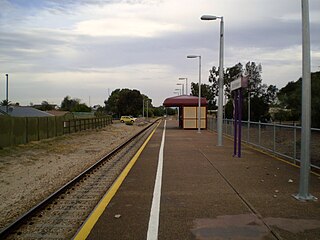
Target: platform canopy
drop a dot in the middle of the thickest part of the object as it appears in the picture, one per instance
(184, 100)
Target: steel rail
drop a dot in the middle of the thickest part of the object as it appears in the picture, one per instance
(40, 206)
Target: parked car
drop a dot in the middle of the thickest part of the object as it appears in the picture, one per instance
(127, 119)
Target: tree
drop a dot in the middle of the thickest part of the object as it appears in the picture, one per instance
(159, 111)
(111, 105)
(81, 107)
(130, 102)
(271, 94)
(207, 91)
(5, 103)
(74, 105)
(290, 99)
(253, 72)
(45, 106)
(68, 104)
(126, 102)
(261, 95)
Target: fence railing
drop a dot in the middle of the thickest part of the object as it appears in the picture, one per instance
(279, 139)
(77, 125)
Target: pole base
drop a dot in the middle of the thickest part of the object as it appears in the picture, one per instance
(301, 198)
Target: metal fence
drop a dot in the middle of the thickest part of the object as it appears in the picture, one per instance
(279, 139)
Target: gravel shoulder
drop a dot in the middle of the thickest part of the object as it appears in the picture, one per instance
(29, 173)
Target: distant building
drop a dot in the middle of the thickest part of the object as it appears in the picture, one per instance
(18, 111)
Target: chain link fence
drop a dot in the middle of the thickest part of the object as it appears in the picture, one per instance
(279, 139)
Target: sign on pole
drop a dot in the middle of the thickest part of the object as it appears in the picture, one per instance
(240, 82)
(236, 87)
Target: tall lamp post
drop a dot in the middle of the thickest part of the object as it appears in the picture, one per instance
(178, 90)
(7, 91)
(181, 84)
(186, 84)
(199, 98)
(142, 107)
(220, 102)
(147, 109)
(304, 194)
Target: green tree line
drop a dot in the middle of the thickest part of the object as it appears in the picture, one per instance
(286, 101)
(290, 101)
(261, 95)
(132, 102)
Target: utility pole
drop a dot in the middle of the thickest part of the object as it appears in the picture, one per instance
(7, 91)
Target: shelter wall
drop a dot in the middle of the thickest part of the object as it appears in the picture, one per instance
(190, 117)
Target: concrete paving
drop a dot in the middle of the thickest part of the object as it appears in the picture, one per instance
(209, 194)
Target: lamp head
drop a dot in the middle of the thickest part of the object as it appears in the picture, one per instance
(192, 56)
(208, 17)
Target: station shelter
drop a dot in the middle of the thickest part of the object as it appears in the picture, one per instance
(188, 110)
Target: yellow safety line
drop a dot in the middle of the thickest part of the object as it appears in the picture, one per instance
(271, 155)
(87, 226)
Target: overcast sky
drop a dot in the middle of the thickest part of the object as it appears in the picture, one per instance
(88, 48)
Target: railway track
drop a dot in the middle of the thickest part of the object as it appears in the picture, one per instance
(62, 213)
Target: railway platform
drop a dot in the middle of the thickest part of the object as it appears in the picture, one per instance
(204, 193)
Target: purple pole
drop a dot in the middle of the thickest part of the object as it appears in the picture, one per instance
(240, 119)
(235, 117)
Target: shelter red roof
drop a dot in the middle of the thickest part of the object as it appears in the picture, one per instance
(184, 100)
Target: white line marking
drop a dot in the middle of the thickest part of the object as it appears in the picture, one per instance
(155, 207)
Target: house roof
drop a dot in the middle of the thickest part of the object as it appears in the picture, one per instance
(58, 113)
(18, 111)
(184, 100)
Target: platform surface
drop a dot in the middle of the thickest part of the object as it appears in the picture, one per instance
(206, 193)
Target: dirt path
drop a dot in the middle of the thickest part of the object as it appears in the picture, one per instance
(30, 172)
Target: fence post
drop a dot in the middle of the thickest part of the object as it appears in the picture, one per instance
(274, 137)
(27, 130)
(47, 127)
(248, 131)
(55, 126)
(259, 134)
(38, 128)
(212, 124)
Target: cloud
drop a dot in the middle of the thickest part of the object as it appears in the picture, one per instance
(54, 48)
(93, 82)
(124, 27)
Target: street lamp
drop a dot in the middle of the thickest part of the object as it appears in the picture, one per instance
(186, 84)
(7, 92)
(304, 194)
(199, 98)
(181, 84)
(143, 108)
(220, 99)
(178, 90)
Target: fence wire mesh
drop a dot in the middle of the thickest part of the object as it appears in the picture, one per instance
(282, 140)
